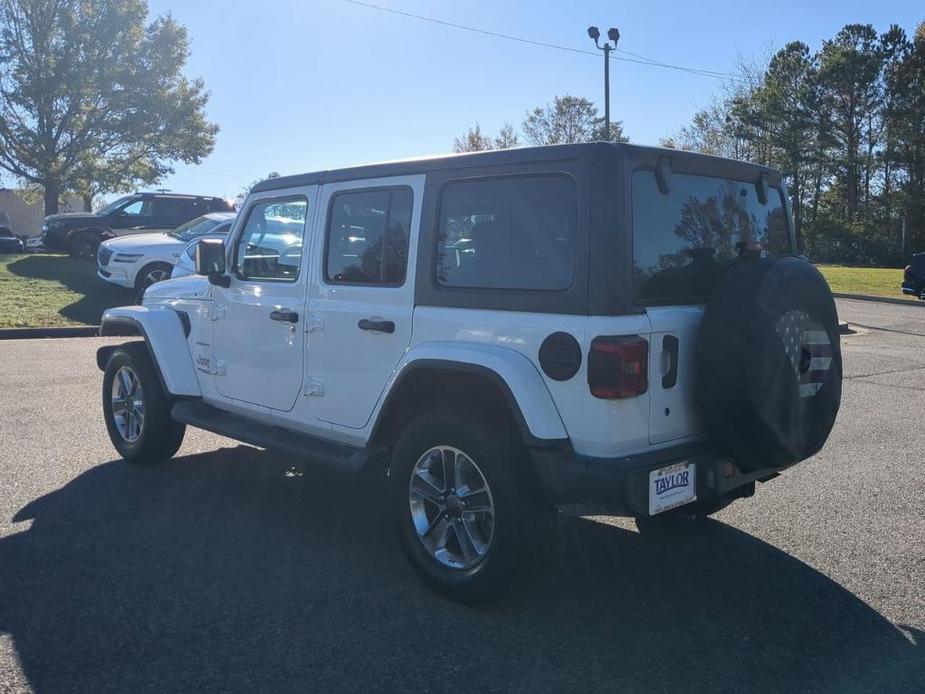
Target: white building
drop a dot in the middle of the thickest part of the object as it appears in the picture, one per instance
(27, 218)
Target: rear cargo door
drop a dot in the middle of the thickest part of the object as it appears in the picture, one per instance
(672, 413)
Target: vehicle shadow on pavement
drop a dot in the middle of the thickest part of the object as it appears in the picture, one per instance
(238, 570)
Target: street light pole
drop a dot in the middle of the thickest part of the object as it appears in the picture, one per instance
(614, 35)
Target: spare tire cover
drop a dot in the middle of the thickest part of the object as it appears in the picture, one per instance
(768, 363)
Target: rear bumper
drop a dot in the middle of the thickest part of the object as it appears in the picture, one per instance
(620, 486)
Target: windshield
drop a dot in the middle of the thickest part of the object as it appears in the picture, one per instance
(194, 228)
(114, 205)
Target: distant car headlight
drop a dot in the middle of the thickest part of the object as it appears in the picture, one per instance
(126, 257)
(44, 227)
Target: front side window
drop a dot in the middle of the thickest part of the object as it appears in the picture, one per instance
(138, 208)
(508, 233)
(270, 246)
(368, 232)
(683, 240)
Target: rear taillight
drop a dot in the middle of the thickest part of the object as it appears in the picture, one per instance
(618, 366)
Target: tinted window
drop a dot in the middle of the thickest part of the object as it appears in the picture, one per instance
(368, 237)
(684, 239)
(270, 247)
(138, 208)
(508, 233)
(177, 208)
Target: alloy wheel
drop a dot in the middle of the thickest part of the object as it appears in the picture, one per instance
(451, 507)
(128, 407)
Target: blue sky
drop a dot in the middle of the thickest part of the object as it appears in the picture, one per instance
(301, 85)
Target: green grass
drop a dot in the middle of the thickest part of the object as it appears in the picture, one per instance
(41, 290)
(872, 281)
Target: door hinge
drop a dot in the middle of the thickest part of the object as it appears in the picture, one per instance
(217, 313)
(313, 387)
(313, 323)
(218, 368)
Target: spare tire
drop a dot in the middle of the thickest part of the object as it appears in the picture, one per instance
(768, 367)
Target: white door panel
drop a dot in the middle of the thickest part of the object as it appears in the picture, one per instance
(359, 329)
(259, 331)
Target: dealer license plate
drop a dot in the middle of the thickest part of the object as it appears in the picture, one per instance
(672, 486)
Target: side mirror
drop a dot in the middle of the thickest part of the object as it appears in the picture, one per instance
(210, 261)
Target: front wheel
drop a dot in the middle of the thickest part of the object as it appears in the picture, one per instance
(84, 246)
(136, 408)
(151, 274)
(466, 506)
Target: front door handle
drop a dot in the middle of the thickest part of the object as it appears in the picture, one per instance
(380, 326)
(284, 315)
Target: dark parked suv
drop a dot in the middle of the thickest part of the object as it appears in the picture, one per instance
(914, 276)
(81, 233)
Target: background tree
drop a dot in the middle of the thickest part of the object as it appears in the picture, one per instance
(88, 87)
(784, 109)
(846, 126)
(507, 137)
(568, 119)
(473, 140)
(245, 191)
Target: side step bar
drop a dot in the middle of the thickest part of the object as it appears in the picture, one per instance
(342, 456)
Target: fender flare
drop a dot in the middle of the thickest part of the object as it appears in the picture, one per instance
(516, 377)
(165, 334)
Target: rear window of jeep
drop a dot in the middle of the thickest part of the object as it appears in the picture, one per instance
(508, 233)
(683, 239)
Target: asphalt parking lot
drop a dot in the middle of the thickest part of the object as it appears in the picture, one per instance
(230, 569)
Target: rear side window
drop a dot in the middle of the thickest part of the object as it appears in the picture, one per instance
(508, 233)
(176, 208)
(368, 233)
(683, 240)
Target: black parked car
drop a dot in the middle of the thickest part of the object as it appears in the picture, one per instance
(914, 276)
(9, 242)
(81, 233)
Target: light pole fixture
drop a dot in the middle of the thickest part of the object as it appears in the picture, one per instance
(614, 35)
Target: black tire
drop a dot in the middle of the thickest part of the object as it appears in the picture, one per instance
(523, 520)
(84, 245)
(158, 436)
(143, 279)
(768, 365)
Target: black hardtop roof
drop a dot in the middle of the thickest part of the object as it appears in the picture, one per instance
(643, 155)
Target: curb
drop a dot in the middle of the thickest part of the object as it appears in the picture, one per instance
(32, 333)
(879, 299)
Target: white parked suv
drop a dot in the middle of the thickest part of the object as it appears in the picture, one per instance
(506, 333)
(141, 260)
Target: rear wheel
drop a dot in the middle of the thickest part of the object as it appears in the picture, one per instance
(136, 408)
(465, 505)
(84, 245)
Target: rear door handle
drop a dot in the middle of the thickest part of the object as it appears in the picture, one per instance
(380, 326)
(284, 316)
(670, 345)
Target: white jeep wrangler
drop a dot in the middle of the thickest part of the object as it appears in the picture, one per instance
(505, 333)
